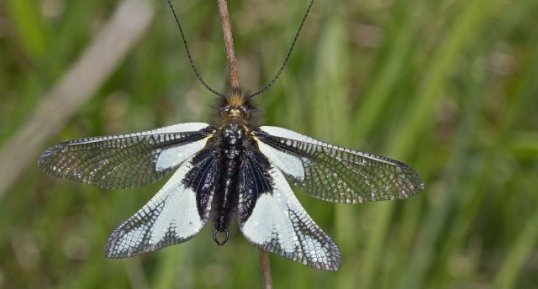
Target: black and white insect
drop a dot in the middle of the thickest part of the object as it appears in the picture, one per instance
(230, 171)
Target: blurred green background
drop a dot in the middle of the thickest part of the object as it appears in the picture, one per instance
(448, 86)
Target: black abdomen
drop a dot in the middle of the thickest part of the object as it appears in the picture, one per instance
(232, 136)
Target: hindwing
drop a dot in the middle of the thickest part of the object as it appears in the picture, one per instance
(176, 213)
(271, 217)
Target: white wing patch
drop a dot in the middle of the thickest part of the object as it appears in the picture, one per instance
(291, 165)
(179, 215)
(170, 217)
(286, 133)
(279, 224)
(263, 222)
(176, 155)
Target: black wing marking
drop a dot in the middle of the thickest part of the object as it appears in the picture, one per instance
(175, 214)
(336, 174)
(271, 217)
(125, 161)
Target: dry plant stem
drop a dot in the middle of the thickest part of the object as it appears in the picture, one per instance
(78, 84)
(234, 82)
(229, 44)
(266, 269)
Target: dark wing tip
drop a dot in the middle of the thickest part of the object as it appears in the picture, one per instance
(333, 261)
(50, 160)
(44, 160)
(335, 266)
(111, 246)
(413, 183)
(420, 182)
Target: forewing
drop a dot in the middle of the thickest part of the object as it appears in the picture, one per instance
(125, 161)
(336, 174)
(271, 217)
(175, 214)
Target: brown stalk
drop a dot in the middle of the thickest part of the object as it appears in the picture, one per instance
(86, 75)
(234, 82)
(229, 44)
(266, 269)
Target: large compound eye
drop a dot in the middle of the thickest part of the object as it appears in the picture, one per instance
(225, 110)
(245, 111)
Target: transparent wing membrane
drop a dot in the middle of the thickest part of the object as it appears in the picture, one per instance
(337, 174)
(125, 161)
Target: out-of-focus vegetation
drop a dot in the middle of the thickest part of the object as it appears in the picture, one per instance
(449, 87)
